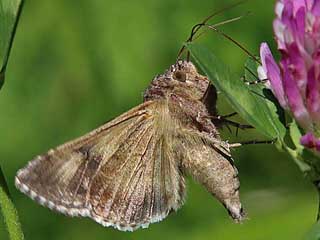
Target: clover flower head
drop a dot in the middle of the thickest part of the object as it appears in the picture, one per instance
(295, 80)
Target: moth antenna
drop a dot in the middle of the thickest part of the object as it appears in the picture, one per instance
(198, 26)
(235, 42)
(222, 23)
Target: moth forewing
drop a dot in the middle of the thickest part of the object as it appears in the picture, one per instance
(121, 174)
(58, 178)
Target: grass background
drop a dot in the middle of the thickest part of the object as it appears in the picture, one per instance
(77, 64)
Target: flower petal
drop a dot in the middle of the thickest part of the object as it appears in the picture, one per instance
(262, 75)
(308, 140)
(273, 73)
(294, 98)
(313, 96)
(297, 67)
(316, 8)
(298, 4)
(300, 26)
(309, 4)
(279, 8)
(279, 28)
(318, 145)
(287, 13)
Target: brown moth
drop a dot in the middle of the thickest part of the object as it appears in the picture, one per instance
(130, 172)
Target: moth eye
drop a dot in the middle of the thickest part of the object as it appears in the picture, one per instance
(180, 76)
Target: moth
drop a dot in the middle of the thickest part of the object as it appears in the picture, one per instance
(131, 171)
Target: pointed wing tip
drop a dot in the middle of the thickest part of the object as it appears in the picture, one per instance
(23, 188)
(84, 212)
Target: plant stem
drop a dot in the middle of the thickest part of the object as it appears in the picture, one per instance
(8, 211)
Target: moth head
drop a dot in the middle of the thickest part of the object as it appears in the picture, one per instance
(182, 78)
(183, 71)
(186, 78)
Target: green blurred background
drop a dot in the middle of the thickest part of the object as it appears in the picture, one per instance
(78, 64)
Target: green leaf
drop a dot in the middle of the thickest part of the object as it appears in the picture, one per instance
(314, 233)
(252, 104)
(295, 135)
(9, 15)
(307, 160)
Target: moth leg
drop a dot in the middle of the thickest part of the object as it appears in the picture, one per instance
(234, 145)
(257, 81)
(223, 121)
(229, 115)
(232, 123)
